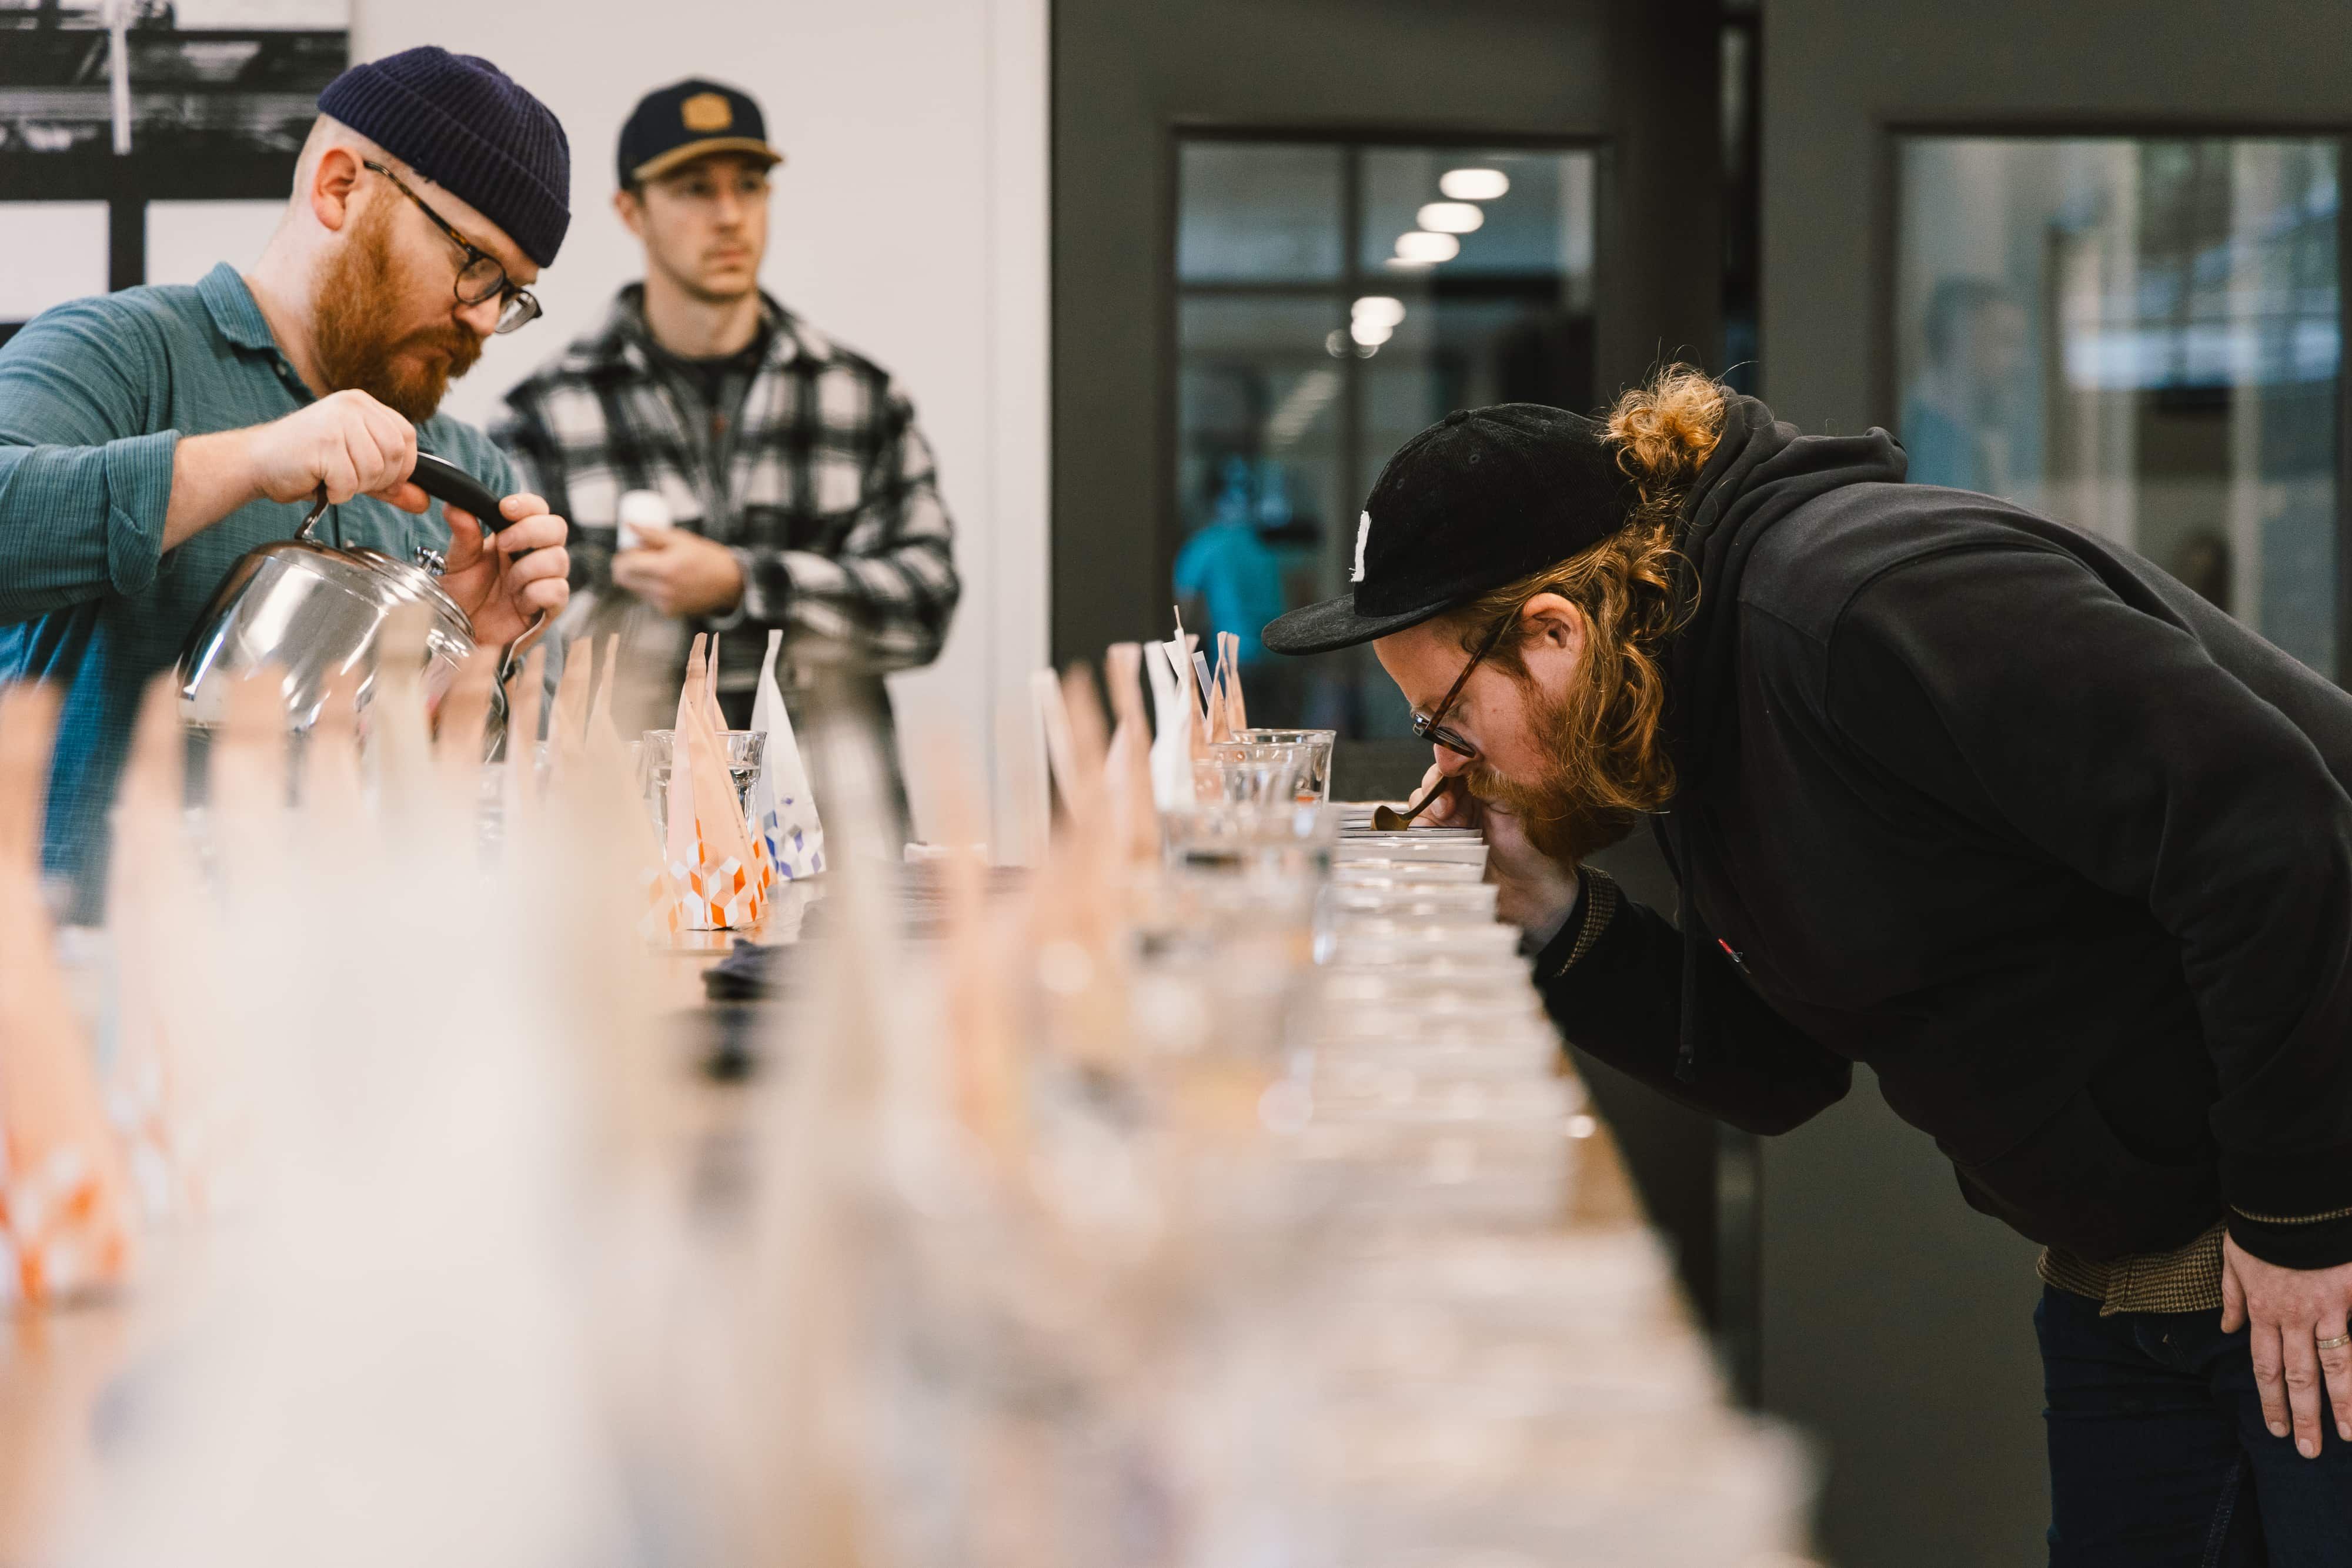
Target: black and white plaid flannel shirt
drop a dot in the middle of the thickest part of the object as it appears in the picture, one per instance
(832, 506)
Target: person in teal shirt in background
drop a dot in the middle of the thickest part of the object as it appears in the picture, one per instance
(1956, 413)
(1229, 569)
(150, 438)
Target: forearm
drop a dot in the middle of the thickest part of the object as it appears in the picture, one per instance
(78, 522)
(212, 476)
(1621, 1001)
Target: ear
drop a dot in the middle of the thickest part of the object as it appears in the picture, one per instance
(1551, 622)
(632, 208)
(331, 184)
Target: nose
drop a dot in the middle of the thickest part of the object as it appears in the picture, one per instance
(482, 319)
(1450, 761)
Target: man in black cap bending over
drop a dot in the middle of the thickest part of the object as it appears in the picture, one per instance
(2062, 851)
(148, 439)
(729, 467)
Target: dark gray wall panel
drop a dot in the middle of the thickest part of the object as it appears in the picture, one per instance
(1895, 1320)
(1128, 72)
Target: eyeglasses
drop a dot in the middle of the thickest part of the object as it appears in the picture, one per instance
(483, 275)
(1427, 725)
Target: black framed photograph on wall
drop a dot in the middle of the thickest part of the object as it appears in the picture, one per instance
(143, 141)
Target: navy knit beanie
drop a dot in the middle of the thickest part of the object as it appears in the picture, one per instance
(464, 124)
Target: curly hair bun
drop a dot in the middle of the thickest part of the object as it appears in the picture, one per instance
(1666, 430)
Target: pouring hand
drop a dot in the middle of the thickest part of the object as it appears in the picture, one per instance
(347, 442)
(499, 586)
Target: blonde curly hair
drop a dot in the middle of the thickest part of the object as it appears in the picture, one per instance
(1629, 588)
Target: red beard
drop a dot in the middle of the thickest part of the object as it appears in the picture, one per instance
(1559, 819)
(407, 374)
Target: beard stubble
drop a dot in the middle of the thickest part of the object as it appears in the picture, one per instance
(1561, 821)
(409, 373)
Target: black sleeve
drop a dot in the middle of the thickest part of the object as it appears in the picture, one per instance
(1622, 1002)
(2107, 738)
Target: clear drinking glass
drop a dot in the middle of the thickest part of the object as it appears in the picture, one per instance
(1314, 781)
(1413, 847)
(1386, 873)
(1253, 773)
(1281, 840)
(1459, 900)
(657, 749)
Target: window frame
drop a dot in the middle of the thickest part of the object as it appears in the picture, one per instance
(1885, 336)
(1353, 140)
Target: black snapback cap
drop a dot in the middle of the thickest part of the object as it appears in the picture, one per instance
(688, 119)
(1482, 498)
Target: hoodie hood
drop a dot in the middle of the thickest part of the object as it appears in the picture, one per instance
(1762, 471)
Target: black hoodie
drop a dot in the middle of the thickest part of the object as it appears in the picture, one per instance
(2058, 848)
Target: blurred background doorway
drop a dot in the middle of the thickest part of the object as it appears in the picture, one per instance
(1333, 298)
(2141, 335)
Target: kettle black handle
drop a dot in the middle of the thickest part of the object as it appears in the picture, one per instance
(445, 481)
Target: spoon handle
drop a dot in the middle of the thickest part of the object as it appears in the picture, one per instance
(1388, 819)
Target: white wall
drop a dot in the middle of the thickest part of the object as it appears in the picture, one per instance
(909, 223)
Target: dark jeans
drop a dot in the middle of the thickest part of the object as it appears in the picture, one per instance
(2158, 1455)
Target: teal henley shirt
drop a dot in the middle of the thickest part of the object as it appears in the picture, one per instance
(94, 397)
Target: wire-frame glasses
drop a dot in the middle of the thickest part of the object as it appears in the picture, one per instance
(1427, 725)
(482, 274)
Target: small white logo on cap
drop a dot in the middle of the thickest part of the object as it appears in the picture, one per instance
(1363, 537)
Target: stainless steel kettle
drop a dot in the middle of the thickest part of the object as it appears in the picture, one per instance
(314, 611)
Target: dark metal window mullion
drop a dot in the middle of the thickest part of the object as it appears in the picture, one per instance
(2343, 424)
(126, 241)
(1352, 364)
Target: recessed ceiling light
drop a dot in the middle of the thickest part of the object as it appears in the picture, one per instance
(1421, 246)
(1473, 184)
(1450, 217)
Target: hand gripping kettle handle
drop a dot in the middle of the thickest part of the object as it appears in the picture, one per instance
(445, 481)
(441, 479)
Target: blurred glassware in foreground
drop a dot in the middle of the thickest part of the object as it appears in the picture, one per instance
(657, 754)
(1251, 838)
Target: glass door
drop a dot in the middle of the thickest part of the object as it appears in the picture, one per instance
(1333, 298)
(2141, 337)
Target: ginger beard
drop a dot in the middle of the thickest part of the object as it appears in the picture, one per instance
(1561, 822)
(409, 373)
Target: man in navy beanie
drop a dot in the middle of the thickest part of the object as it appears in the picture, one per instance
(150, 438)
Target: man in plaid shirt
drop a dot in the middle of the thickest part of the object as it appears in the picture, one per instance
(802, 496)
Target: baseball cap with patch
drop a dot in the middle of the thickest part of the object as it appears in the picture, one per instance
(1483, 497)
(688, 119)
